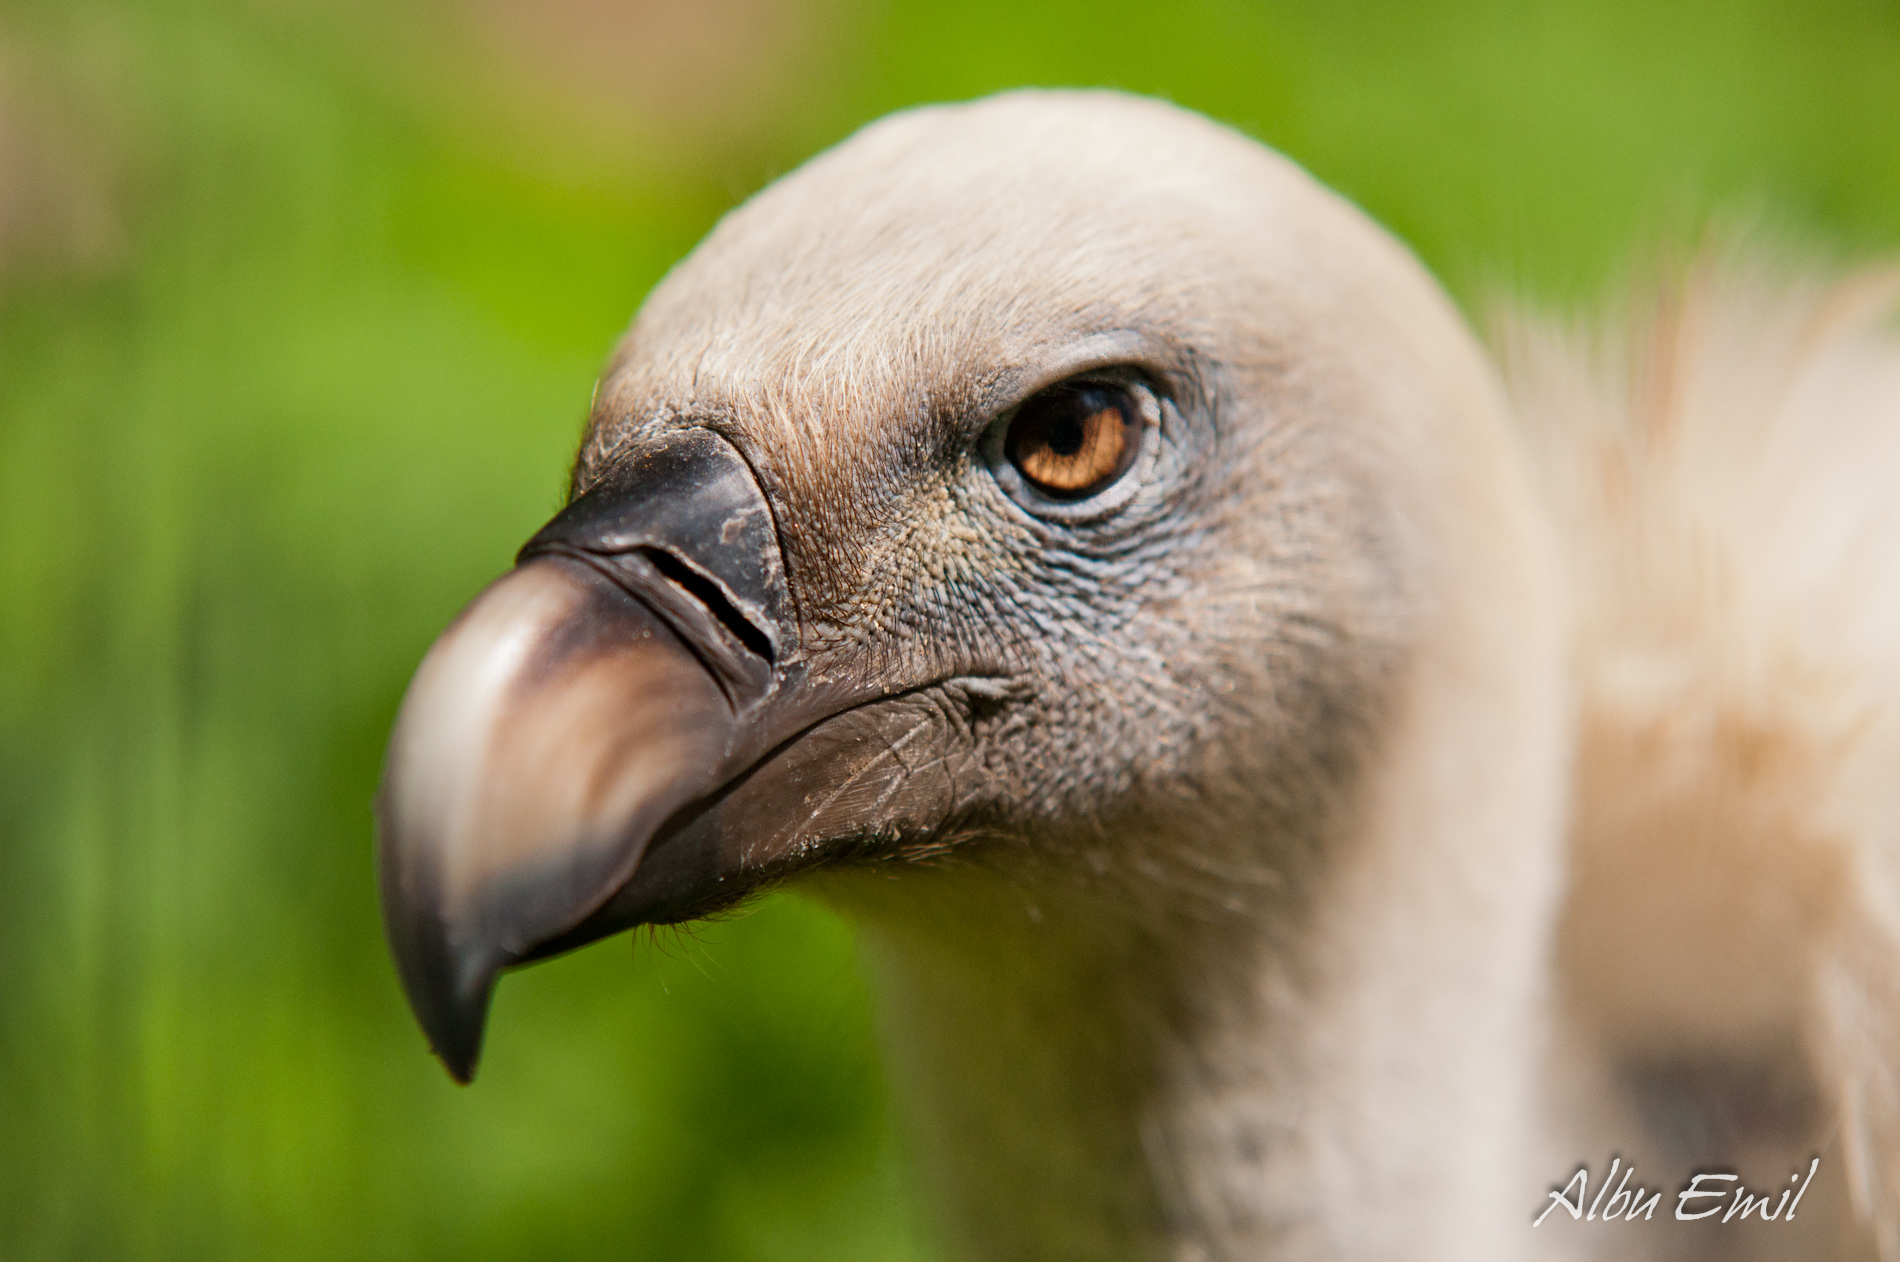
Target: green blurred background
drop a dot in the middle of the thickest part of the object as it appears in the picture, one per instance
(300, 304)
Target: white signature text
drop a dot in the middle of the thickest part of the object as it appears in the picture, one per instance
(1692, 1202)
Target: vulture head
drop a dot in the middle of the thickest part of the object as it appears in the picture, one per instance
(1060, 534)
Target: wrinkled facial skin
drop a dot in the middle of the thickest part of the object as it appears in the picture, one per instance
(1049, 662)
(988, 622)
(964, 667)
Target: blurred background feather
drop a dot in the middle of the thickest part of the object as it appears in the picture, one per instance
(300, 304)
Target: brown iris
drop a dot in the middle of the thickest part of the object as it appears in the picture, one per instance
(1074, 439)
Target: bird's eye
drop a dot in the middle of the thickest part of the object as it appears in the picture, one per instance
(1074, 439)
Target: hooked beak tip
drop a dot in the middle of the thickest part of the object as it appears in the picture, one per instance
(456, 1033)
(454, 1017)
(448, 989)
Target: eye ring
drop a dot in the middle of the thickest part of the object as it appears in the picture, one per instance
(1074, 451)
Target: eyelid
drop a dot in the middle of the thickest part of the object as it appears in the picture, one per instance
(1118, 355)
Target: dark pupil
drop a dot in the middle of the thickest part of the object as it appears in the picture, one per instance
(1065, 432)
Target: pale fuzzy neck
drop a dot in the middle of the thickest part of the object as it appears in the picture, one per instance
(1018, 1053)
(1345, 1069)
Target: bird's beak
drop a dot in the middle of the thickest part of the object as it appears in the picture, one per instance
(556, 771)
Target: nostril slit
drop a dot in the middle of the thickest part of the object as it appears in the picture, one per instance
(711, 595)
